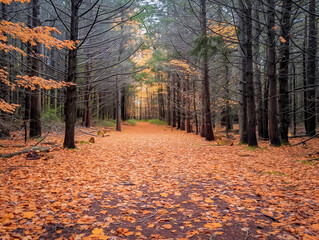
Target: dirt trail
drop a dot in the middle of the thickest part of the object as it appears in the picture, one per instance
(153, 182)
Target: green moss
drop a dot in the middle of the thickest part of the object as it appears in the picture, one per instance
(275, 173)
(107, 123)
(252, 148)
(157, 122)
(241, 144)
(310, 162)
(131, 122)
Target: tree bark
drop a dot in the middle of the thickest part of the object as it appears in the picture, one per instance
(35, 113)
(169, 100)
(174, 101)
(271, 73)
(209, 135)
(284, 108)
(188, 106)
(257, 71)
(311, 70)
(242, 82)
(70, 104)
(178, 103)
(251, 107)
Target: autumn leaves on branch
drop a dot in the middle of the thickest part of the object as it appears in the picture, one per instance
(33, 36)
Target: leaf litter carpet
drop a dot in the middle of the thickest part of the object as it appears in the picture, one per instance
(153, 182)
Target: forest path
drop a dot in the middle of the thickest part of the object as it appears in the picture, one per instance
(154, 182)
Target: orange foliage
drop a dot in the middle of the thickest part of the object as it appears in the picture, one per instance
(37, 35)
(33, 36)
(6, 107)
(226, 31)
(182, 66)
(33, 82)
(9, 1)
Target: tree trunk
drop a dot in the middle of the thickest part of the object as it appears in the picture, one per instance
(242, 82)
(251, 107)
(178, 103)
(271, 73)
(304, 74)
(118, 106)
(311, 70)
(70, 104)
(168, 89)
(188, 106)
(174, 101)
(87, 96)
(35, 114)
(209, 135)
(195, 110)
(183, 103)
(284, 108)
(257, 71)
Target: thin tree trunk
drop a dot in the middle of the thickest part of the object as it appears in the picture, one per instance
(70, 104)
(174, 101)
(188, 106)
(242, 82)
(304, 74)
(209, 135)
(311, 70)
(183, 103)
(35, 114)
(168, 89)
(251, 107)
(257, 71)
(271, 72)
(283, 71)
(178, 105)
(195, 110)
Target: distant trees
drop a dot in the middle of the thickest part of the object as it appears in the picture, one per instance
(267, 92)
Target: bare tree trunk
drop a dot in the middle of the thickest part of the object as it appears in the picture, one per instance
(118, 84)
(257, 71)
(87, 96)
(174, 101)
(169, 100)
(294, 100)
(178, 103)
(311, 70)
(209, 135)
(118, 106)
(251, 107)
(271, 72)
(304, 74)
(283, 71)
(183, 103)
(188, 106)
(195, 109)
(35, 114)
(242, 82)
(70, 104)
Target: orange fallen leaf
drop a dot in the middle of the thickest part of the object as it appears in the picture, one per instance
(151, 225)
(167, 226)
(28, 215)
(212, 226)
(315, 227)
(208, 200)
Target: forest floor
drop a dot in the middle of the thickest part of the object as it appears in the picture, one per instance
(155, 182)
